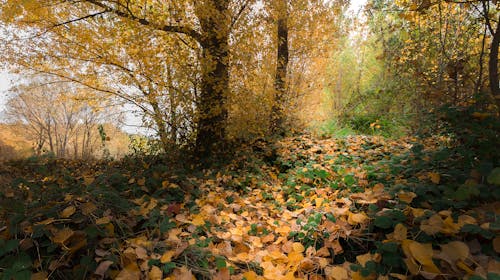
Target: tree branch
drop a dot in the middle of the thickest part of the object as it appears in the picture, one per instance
(79, 19)
(166, 28)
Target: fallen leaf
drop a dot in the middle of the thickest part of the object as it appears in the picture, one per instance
(102, 221)
(250, 275)
(155, 273)
(298, 247)
(62, 235)
(183, 273)
(167, 256)
(336, 273)
(454, 251)
(68, 211)
(88, 208)
(423, 253)
(434, 177)
(496, 244)
(102, 268)
(42, 275)
(400, 232)
(358, 218)
(406, 197)
(222, 274)
(129, 272)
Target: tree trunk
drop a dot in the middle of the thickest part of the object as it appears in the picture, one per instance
(212, 111)
(493, 65)
(277, 111)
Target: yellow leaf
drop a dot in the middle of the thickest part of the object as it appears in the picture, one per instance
(198, 220)
(336, 273)
(298, 247)
(358, 218)
(129, 272)
(62, 235)
(250, 275)
(465, 267)
(434, 177)
(406, 197)
(155, 273)
(167, 256)
(295, 258)
(363, 259)
(423, 254)
(102, 221)
(87, 180)
(400, 232)
(46, 222)
(68, 211)
(433, 225)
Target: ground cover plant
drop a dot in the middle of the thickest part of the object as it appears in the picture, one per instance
(356, 207)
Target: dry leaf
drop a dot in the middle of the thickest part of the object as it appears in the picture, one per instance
(68, 211)
(454, 251)
(42, 275)
(183, 273)
(62, 235)
(496, 244)
(406, 197)
(102, 221)
(155, 273)
(434, 177)
(129, 272)
(222, 274)
(336, 273)
(102, 268)
(88, 208)
(358, 218)
(400, 232)
(167, 257)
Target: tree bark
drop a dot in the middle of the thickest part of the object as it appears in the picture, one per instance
(277, 111)
(493, 65)
(212, 110)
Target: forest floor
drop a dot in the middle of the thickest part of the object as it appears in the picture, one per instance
(359, 207)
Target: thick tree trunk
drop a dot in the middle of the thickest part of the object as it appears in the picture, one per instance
(212, 111)
(277, 111)
(493, 65)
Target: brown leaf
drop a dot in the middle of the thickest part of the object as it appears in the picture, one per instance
(39, 275)
(222, 274)
(102, 268)
(183, 273)
(88, 208)
(496, 244)
(62, 235)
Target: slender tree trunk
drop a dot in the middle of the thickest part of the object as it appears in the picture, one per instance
(212, 111)
(493, 65)
(277, 111)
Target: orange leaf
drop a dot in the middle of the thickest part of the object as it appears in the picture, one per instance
(129, 272)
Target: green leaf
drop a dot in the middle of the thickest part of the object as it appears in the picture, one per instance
(494, 177)
(220, 262)
(383, 222)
